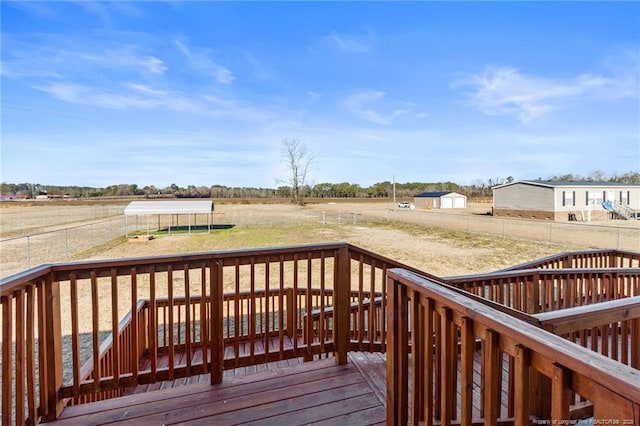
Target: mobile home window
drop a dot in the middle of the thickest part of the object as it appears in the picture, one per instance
(568, 198)
(624, 197)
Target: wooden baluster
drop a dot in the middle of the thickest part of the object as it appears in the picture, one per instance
(560, 394)
(30, 355)
(134, 337)
(428, 307)
(467, 338)
(75, 336)
(115, 340)
(237, 319)
(153, 325)
(169, 327)
(216, 320)
(308, 308)
(266, 329)
(492, 366)
(521, 391)
(7, 358)
(447, 365)
(417, 359)
(95, 332)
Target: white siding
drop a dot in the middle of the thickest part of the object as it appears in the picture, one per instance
(520, 196)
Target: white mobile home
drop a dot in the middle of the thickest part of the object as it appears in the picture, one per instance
(566, 200)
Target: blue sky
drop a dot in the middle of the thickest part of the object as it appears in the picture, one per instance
(204, 93)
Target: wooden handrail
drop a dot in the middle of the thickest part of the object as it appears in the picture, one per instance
(429, 309)
(583, 317)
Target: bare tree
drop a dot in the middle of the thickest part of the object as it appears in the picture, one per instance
(298, 161)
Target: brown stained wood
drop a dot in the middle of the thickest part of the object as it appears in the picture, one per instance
(342, 286)
(30, 354)
(594, 315)
(559, 394)
(153, 324)
(75, 335)
(53, 343)
(187, 315)
(168, 326)
(467, 339)
(95, 332)
(267, 326)
(491, 368)
(521, 382)
(115, 361)
(448, 391)
(7, 358)
(19, 357)
(134, 337)
(428, 342)
(418, 383)
(212, 403)
(216, 326)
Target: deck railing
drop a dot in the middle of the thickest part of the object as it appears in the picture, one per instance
(542, 290)
(61, 318)
(584, 259)
(526, 372)
(85, 331)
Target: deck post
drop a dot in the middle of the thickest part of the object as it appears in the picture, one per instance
(341, 303)
(216, 326)
(397, 356)
(290, 312)
(53, 342)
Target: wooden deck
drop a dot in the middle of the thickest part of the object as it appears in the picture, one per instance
(318, 392)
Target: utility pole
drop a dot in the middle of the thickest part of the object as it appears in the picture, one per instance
(394, 193)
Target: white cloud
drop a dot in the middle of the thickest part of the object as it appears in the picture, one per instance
(127, 57)
(371, 105)
(350, 43)
(507, 91)
(359, 105)
(201, 60)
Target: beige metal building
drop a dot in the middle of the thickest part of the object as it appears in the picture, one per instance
(440, 200)
(567, 200)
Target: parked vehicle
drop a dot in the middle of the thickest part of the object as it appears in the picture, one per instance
(405, 205)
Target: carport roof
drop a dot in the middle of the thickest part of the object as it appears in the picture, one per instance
(140, 208)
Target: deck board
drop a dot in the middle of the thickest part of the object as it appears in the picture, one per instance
(303, 391)
(300, 392)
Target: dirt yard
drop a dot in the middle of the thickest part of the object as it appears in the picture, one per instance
(441, 242)
(437, 251)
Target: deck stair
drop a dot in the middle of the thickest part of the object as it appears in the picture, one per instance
(622, 211)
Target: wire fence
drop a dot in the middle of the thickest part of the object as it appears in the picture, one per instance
(625, 235)
(17, 221)
(21, 253)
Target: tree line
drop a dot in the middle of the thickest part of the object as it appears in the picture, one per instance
(477, 189)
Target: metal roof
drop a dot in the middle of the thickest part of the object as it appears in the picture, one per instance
(565, 183)
(168, 207)
(435, 194)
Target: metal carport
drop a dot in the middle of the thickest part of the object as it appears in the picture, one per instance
(158, 208)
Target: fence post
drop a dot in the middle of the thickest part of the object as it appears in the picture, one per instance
(53, 346)
(341, 305)
(215, 325)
